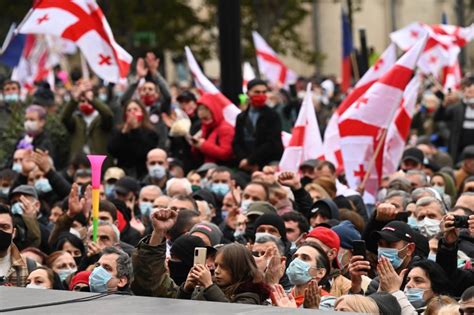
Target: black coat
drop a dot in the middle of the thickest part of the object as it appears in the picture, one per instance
(454, 116)
(267, 146)
(131, 148)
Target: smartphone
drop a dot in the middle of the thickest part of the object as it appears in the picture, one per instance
(402, 216)
(358, 249)
(200, 254)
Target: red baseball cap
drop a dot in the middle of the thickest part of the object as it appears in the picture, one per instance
(328, 237)
(80, 278)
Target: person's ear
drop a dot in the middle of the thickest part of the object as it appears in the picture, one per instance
(122, 282)
(411, 249)
(283, 263)
(320, 273)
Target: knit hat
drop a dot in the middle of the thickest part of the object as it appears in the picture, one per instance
(387, 303)
(273, 220)
(80, 278)
(43, 96)
(347, 233)
(183, 248)
(211, 230)
(255, 82)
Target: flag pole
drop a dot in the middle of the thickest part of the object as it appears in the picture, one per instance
(372, 160)
(84, 67)
(355, 67)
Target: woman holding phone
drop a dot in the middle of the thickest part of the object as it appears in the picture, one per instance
(132, 140)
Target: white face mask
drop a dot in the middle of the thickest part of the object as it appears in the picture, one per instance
(245, 204)
(35, 286)
(429, 227)
(31, 126)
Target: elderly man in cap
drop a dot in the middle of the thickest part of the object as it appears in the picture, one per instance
(257, 140)
(111, 176)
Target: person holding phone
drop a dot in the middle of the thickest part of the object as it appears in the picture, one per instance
(136, 135)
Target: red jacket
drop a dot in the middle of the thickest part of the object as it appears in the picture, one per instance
(218, 135)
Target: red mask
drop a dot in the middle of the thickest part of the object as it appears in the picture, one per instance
(86, 108)
(258, 100)
(148, 100)
(139, 117)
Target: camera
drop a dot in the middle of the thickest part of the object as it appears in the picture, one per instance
(460, 221)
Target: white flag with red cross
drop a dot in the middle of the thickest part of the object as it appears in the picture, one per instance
(204, 85)
(399, 129)
(363, 125)
(305, 142)
(332, 147)
(272, 67)
(248, 75)
(82, 22)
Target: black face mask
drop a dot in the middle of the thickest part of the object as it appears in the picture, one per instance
(178, 271)
(78, 260)
(5, 240)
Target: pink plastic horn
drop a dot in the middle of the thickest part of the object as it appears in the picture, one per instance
(96, 168)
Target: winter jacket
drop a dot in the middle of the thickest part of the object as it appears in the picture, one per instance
(41, 141)
(96, 135)
(131, 148)
(218, 135)
(262, 144)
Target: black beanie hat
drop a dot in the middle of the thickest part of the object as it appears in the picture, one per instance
(255, 82)
(273, 220)
(387, 303)
(183, 248)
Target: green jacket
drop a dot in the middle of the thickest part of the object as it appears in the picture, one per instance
(96, 136)
(150, 277)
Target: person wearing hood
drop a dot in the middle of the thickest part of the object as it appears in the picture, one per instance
(324, 211)
(444, 184)
(215, 143)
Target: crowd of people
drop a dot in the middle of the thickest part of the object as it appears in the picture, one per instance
(181, 182)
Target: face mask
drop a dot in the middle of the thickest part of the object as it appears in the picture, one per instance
(109, 190)
(43, 186)
(258, 100)
(220, 189)
(17, 208)
(86, 108)
(35, 286)
(64, 273)
(432, 257)
(245, 204)
(293, 246)
(148, 100)
(429, 227)
(258, 235)
(195, 188)
(178, 271)
(145, 208)
(392, 255)
(469, 101)
(31, 127)
(103, 97)
(98, 280)
(16, 167)
(412, 223)
(414, 295)
(11, 98)
(439, 189)
(238, 234)
(157, 171)
(4, 191)
(5, 240)
(298, 272)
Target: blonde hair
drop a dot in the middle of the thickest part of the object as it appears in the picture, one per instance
(449, 309)
(438, 302)
(359, 304)
(313, 186)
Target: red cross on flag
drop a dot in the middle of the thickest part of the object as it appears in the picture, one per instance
(399, 129)
(270, 65)
(82, 22)
(363, 129)
(204, 85)
(305, 142)
(332, 148)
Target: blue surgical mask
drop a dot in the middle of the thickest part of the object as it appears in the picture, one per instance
(220, 189)
(4, 191)
(103, 97)
(16, 167)
(64, 273)
(17, 208)
(298, 272)
(11, 98)
(258, 235)
(414, 295)
(157, 171)
(109, 190)
(412, 223)
(432, 257)
(392, 255)
(145, 208)
(98, 280)
(238, 234)
(43, 186)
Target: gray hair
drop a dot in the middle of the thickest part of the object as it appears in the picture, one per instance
(426, 201)
(114, 228)
(421, 174)
(416, 194)
(270, 238)
(406, 199)
(124, 262)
